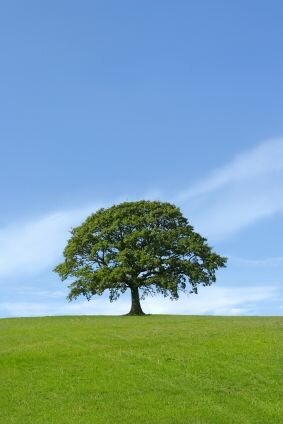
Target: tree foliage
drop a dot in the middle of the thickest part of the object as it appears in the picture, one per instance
(146, 246)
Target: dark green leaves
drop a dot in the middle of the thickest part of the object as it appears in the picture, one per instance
(142, 244)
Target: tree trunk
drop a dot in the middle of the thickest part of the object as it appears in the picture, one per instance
(136, 306)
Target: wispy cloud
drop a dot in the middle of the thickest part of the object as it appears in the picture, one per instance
(239, 194)
(264, 160)
(215, 301)
(31, 247)
(99, 306)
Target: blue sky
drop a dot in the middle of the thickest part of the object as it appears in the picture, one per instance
(105, 101)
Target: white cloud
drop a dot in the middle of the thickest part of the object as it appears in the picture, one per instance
(265, 159)
(32, 247)
(100, 306)
(239, 194)
(214, 300)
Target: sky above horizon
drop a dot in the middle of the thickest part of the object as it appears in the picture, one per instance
(106, 101)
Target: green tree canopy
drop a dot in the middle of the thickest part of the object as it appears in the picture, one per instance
(147, 247)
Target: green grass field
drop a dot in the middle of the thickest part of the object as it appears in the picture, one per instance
(143, 370)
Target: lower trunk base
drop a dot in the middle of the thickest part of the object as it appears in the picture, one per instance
(136, 309)
(133, 313)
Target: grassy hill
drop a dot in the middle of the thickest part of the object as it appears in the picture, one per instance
(141, 370)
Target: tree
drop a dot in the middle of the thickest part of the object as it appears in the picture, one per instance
(145, 246)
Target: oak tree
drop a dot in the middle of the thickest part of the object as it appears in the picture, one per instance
(146, 247)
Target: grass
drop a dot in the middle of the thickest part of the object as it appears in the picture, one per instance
(142, 370)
